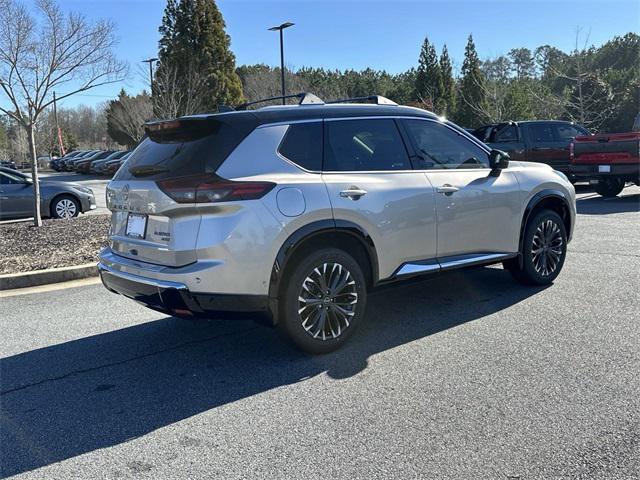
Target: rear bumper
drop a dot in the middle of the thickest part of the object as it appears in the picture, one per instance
(588, 171)
(174, 298)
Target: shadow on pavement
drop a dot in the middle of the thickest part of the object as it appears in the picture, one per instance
(95, 392)
(597, 205)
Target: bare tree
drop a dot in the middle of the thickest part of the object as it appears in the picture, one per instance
(48, 52)
(126, 117)
(586, 99)
(178, 93)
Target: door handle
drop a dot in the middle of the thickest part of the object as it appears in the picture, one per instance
(447, 189)
(354, 193)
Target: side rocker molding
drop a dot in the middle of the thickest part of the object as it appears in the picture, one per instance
(307, 232)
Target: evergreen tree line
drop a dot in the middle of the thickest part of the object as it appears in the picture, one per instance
(196, 72)
(596, 87)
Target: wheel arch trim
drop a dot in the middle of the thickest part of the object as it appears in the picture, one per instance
(308, 232)
(534, 201)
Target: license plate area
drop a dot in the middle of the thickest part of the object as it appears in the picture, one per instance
(136, 225)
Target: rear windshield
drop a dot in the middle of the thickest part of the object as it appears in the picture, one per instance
(193, 147)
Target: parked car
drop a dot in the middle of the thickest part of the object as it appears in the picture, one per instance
(58, 199)
(8, 164)
(68, 164)
(99, 165)
(297, 212)
(84, 165)
(112, 166)
(543, 141)
(56, 163)
(608, 161)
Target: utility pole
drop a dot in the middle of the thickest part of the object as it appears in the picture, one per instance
(150, 62)
(58, 132)
(280, 28)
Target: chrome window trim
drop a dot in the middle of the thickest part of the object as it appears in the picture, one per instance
(445, 123)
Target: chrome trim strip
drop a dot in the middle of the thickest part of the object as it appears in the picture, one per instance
(413, 268)
(435, 266)
(482, 258)
(138, 279)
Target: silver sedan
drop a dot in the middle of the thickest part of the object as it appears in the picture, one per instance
(58, 199)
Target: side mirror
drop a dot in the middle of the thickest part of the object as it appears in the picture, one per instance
(498, 160)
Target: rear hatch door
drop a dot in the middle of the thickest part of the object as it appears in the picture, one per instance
(149, 225)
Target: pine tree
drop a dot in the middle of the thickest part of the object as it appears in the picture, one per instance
(448, 96)
(193, 42)
(471, 95)
(428, 79)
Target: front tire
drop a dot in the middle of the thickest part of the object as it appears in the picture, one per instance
(544, 249)
(323, 301)
(610, 187)
(65, 206)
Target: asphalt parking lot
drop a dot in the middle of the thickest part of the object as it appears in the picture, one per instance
(464, 375)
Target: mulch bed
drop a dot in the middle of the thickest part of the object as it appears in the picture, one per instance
(58, 243)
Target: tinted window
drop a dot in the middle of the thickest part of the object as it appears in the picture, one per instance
(506, 134)
(189, 147)
(541, 132)
(302, 144)
(363, 145)
(566, 131)
(439, 147)
(9, 179)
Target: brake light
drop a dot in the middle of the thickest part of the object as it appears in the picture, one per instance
(212, 189)
(571, 152)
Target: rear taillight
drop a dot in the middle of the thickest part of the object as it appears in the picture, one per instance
(571, 152)
(211, 189)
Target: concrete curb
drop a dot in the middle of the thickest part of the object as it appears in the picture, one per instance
(43, 277)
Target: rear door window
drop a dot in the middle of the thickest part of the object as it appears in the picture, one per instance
(541, 133)
(566, 131)
(302, 144)
(364, 145)
(185, 147)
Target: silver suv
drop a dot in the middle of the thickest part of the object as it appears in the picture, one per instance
(296, 212)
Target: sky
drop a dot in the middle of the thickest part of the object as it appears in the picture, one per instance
(359, 34)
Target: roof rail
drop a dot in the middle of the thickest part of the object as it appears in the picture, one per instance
(306, 98)
(377, 99)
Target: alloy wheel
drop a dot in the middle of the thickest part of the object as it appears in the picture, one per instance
(66, 208)
(547, 248)
(327, 301)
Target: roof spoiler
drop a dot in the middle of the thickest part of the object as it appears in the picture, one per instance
(376, 99)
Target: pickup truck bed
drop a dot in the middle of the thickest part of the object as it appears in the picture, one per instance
(607, 160)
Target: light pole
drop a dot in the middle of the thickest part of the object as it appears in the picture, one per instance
(280, 28)
(150, 62)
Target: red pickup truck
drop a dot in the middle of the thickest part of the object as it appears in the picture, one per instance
(608, 160)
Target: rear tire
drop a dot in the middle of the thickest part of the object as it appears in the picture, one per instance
(323, 301)
(610, 187)
(544, 249)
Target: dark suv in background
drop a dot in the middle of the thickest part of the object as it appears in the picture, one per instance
(542, 141)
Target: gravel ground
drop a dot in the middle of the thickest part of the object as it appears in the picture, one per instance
(59, 243)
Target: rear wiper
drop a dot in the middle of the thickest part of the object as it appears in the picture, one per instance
(146, 170)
